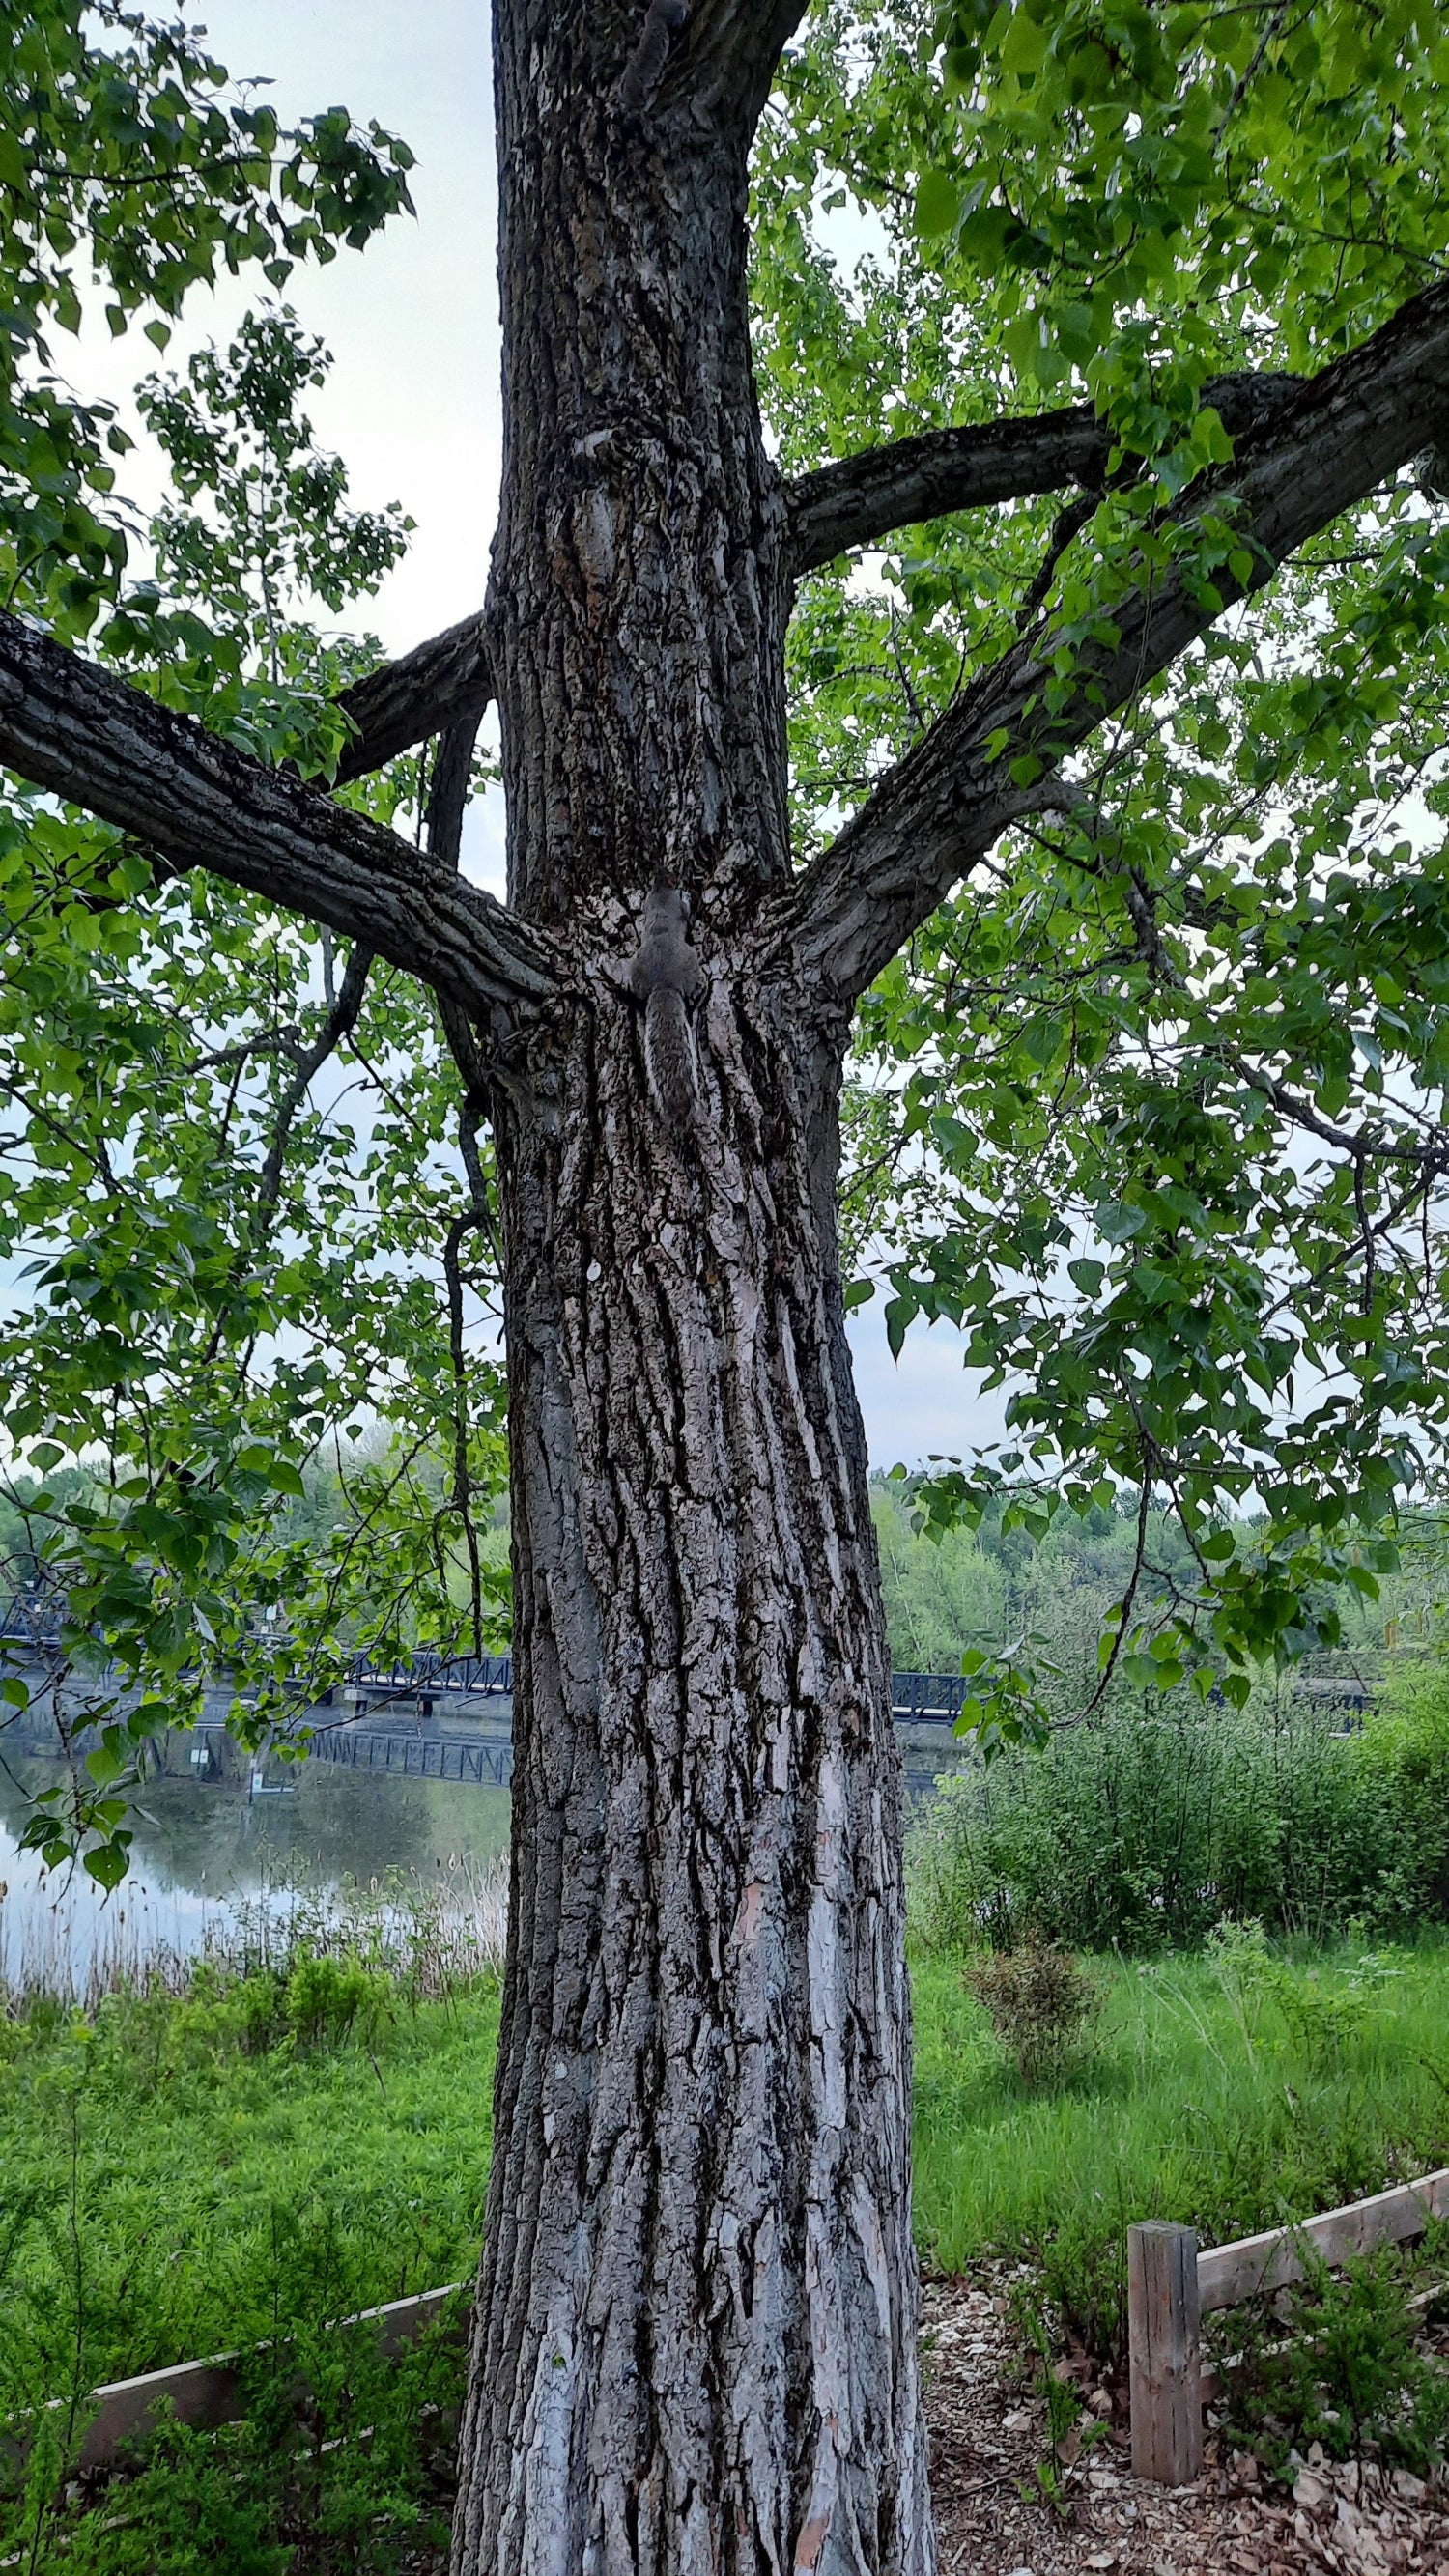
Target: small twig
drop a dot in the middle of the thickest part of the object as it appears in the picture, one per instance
(1068, 524)
(340, 1022)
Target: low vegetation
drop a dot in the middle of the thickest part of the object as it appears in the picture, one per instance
(235, 2153)
(1236, 2089)
(1147, 1824)
(1341, 2360)
(239, 2164)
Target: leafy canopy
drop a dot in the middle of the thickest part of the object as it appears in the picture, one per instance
(125, 153)
(1152, 1111)
(232, 1190)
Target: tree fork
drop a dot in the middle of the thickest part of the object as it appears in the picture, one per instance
(695, 2335)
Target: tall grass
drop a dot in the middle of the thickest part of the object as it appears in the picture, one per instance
(1237, 2089)
(429, 1934)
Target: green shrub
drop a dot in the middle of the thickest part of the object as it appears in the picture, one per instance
(341, 2457)
(1335, 2360)
(194, 2501)
(1146, 1827)
(1039, 2002)
(325, 1999)
(1403, 1753)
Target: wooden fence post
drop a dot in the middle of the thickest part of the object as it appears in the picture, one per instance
(1165, 2353)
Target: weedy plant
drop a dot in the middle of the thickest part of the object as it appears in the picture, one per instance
(1041, 2003)
(341, 2457)
(238, 2167)
(1067, 2435)
(1343, 2358)
(1276, 2003)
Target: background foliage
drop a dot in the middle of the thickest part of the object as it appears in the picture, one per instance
(1151, 1113)
(234, 1194)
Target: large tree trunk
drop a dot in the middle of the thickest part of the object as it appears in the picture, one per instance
(696, 2334)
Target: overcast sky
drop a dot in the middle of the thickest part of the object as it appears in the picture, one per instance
(413, 406)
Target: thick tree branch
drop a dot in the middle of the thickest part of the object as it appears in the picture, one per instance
(198, 802)
(447, 804)
(437, 685)
(1348, 432)
(863, 497)
(448, 795)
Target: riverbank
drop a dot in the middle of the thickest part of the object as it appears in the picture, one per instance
(289, 2142)
(206, 1855)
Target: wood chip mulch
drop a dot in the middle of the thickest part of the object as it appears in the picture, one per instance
(988, 2432)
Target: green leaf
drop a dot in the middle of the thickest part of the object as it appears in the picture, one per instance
(1024, 47)
(938, 205)
(107, 1863)
(1117, 1222)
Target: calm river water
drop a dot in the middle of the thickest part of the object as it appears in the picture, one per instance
(200, 1846)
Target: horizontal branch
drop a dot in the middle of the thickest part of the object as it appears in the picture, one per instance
(439, 684)
(1349, 430)
(198, 802)
(862, 498)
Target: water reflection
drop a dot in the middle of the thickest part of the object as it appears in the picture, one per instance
(201, 1844)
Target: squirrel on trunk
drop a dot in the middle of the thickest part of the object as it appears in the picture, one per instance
(666, 976)
(645, 67)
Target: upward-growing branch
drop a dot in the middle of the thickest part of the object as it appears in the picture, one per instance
(1347, 432)
(197, 802)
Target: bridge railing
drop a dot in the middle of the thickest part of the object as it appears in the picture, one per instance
(917, 1699)
(928, 1699)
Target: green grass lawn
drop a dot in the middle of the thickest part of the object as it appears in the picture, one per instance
(1228, 2090)
(163, 2194)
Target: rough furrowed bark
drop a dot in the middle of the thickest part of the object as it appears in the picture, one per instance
(696, 2337)
(695, 2343)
